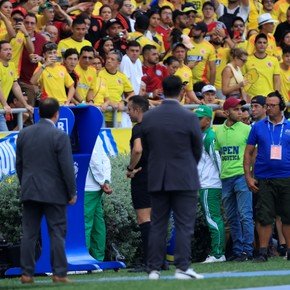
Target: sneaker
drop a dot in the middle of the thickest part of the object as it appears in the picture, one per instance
(222, 259)
(238, 258)
(186, 275)
(154, 275)
(260, 258)
(213, 259)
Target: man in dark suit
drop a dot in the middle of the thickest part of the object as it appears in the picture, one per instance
(174, 141)
(45, 170)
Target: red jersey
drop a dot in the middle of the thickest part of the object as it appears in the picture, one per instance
(165, 33)
(153, 77)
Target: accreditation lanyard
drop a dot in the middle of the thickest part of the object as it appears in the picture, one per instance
(276, 150)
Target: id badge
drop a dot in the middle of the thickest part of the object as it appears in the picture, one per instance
(276, 152)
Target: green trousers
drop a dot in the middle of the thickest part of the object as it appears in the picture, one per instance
(95, 227)
(211, 202)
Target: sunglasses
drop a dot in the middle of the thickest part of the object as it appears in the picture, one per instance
(87, 57)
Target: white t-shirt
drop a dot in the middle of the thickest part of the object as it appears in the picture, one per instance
(133, 71)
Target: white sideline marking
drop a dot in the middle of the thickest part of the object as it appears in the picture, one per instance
(206, 276)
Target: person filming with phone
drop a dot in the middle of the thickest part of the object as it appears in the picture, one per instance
(53, 77)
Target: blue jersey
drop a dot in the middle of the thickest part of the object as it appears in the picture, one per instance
(264, 134)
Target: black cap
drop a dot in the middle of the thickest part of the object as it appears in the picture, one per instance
(261, 100)
(177, 13)
(142, 22)
(200, 26)
(112, 22)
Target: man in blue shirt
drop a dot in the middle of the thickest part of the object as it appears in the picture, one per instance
(271, 177)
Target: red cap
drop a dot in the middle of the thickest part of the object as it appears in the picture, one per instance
(20, 10)
(232, 102)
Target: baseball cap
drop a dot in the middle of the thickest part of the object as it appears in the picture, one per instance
(200, 26)
(177, 13)
(203, 111)
(188, 7)
(20, 10)
(232, 102)
(208, 88)
(187, 10)
(112, 22)
(261, 100)
(266, 18)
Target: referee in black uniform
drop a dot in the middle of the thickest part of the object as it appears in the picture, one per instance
(137, 171)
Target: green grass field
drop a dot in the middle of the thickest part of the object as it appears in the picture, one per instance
(122, 280)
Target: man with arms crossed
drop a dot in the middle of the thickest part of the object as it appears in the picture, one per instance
(47, 186)
(172, 136)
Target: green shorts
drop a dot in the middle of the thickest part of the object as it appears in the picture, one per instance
(273, 198)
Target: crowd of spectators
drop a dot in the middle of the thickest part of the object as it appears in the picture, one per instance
(101, 53)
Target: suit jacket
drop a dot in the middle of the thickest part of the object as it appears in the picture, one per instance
(44, 164)
(174, 140)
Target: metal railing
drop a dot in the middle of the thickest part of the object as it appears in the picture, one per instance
(20, 111)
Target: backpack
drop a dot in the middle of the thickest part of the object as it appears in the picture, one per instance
(228, 19)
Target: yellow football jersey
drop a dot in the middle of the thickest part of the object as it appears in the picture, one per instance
(267, 68)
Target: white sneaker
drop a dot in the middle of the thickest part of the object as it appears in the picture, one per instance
(213, 259)
(154, 275)
(222, 258)
(186, 275)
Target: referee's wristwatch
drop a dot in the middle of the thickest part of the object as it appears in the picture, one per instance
(129, 169)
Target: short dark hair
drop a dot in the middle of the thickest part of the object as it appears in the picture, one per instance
(69, 52)
(133, 43)
(261, 35)
(78, 20)
(87, 48)
(208, 3)
(147, 48)
(48, 107)
(49, 46)
(172, 86)
(3, 42)
(141, 102)
(164, 8)
(30, 14)
(169, 60)
(282, 103)
(238, 18)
